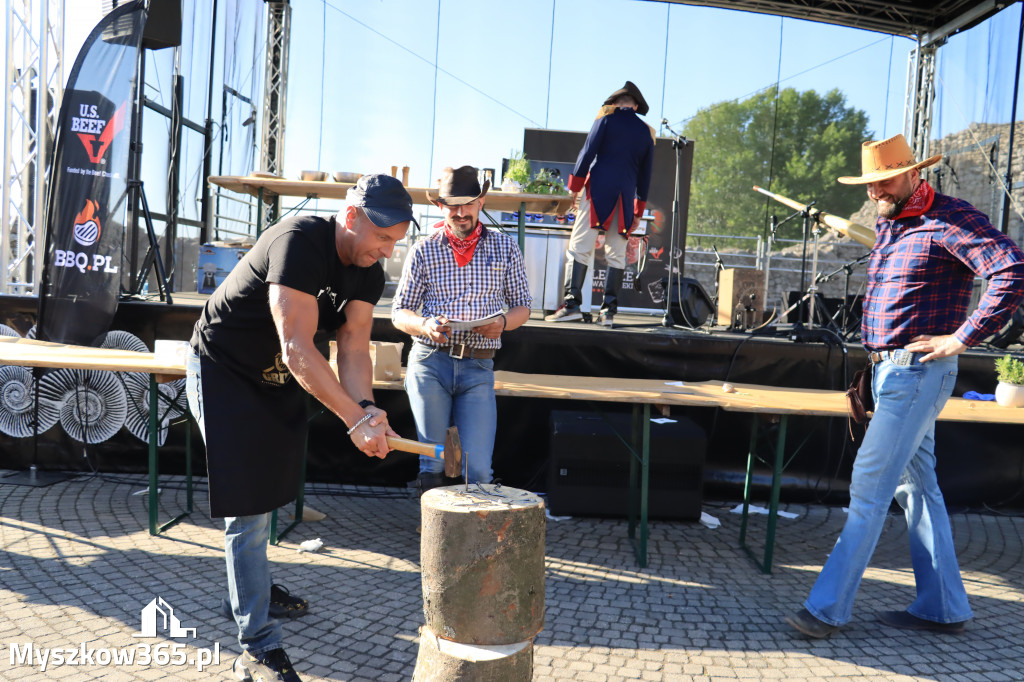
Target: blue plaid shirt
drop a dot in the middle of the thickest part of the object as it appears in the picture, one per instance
(433, 284)
(922, 270)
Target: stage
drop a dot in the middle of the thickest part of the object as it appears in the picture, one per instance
(979, 465)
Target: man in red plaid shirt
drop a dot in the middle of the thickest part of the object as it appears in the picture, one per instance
(929, 247)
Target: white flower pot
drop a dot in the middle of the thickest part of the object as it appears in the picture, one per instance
(1009, 395)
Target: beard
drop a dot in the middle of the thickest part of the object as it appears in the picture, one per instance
(888, 209)
(890, 206)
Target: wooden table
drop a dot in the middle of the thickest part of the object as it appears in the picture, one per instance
(757, 400)
(32, 353)
(267, 189)
(783, 402)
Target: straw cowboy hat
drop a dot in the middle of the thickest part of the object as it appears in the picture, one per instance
(459, 186)
(634, 92)
(886, 159)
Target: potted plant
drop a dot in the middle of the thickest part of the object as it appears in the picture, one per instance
(517, 173)
(1010, 390)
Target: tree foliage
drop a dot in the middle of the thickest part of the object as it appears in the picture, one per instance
(816, 139)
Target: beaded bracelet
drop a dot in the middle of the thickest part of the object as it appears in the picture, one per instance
(366, 418)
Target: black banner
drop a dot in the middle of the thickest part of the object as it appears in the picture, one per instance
(88, 193)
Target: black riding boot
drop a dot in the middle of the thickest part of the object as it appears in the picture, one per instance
(570, 310)
(610, 306)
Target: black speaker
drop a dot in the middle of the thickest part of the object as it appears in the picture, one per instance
(689, 305)
(163, 23)
(589, 470)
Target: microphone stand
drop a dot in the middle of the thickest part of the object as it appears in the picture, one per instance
(719, 266)
(678, 142)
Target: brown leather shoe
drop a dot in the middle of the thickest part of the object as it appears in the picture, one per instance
(908, 621)
(806, 623)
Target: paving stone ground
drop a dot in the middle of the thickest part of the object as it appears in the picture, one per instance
(78, 565)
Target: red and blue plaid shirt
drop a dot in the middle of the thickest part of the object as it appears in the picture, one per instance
(922, 270)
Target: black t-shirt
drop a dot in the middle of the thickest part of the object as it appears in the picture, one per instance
(236, 328)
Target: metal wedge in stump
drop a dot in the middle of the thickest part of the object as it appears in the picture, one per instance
(482, 567)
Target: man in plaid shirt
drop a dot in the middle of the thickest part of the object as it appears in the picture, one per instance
(462, 287)
(929, 247)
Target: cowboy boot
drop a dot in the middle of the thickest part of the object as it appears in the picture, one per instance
(570, 309)
(610, 306)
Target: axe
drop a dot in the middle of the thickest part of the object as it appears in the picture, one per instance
(450, 452)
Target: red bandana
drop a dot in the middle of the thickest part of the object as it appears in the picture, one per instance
(919, 202)
(464, 248)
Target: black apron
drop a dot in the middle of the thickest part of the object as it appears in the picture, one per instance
(254, 466)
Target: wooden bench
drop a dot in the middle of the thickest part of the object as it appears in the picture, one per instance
(32, 353)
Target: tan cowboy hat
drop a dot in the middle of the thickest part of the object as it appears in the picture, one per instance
(459, 186)
(886, 159)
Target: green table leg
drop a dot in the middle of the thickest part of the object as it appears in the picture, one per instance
(522, 227)
(642, 433)
(773, 505)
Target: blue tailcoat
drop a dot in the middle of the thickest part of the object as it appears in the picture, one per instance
(617, 156)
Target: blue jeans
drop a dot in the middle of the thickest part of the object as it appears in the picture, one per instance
(897, 459)
(245, 545)
(444, 391)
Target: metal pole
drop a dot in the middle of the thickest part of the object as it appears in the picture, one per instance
(1004, 223)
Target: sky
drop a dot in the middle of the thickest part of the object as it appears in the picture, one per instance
(433, 83)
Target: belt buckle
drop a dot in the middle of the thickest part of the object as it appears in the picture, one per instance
(904, 358)
(462, 351)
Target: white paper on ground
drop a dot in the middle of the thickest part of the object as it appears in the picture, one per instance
(754, 509)
(663, 420)
(547, 513)
(311, 545)
(709, 520)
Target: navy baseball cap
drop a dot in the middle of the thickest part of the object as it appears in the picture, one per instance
(383, 199)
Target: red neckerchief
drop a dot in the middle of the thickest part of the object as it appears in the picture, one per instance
(464, 248)
(919, 202)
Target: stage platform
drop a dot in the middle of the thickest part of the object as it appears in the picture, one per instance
(979, 465)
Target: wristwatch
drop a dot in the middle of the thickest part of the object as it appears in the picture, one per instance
(366, 403)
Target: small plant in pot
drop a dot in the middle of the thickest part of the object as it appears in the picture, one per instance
(517, 173)
(1010, 390)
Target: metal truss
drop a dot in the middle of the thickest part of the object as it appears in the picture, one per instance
(275, 85)
(33, 90)
(917, 112)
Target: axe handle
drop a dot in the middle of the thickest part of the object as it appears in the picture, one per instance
(405, 445)
(858, 233)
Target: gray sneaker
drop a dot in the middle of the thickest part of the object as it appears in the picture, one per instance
(565, 314)
(272, 666)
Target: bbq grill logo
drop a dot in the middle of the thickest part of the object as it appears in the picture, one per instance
(87, 225)
(95, 133)
(86, 232)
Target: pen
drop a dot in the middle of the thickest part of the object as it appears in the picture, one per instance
(437, 321)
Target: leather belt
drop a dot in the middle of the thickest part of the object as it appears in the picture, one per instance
(900, 357)
(460, 351)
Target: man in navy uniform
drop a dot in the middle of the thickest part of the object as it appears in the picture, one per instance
(614, 170)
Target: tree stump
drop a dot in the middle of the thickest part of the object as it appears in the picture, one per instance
(442, 661)
(482, 566)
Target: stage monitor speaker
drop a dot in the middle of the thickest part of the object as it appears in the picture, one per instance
(689, 305)
(740, 289)
(589, 466)
(163, 24)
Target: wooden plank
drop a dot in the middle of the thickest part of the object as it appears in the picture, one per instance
(33, 353)
(327, 189)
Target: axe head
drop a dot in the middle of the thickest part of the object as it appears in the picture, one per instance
(452, 453)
